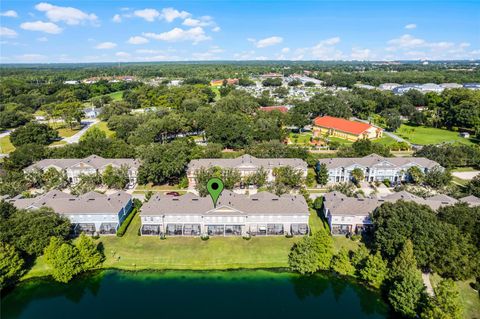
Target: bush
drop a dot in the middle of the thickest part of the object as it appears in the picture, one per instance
(205, 237)
(123, 228)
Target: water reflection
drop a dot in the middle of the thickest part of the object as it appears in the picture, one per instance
(235, 294)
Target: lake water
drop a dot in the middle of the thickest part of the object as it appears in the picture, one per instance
(183, 294)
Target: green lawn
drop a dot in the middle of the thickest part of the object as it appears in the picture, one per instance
(468, 296)
(300, 138)
(104, 127)
(428, 135)
(67, 132)
(340, 140)
(133, 252)
(116, 96)
(385, 140)
(6, 146)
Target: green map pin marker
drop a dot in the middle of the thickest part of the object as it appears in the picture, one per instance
(215, 188)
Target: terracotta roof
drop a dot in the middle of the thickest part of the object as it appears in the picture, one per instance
(280, 108)
(341, 124)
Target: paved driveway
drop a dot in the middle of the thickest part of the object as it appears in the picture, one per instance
(86, 125)
(466, 175)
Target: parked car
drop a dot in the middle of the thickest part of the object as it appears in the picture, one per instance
(172, 193)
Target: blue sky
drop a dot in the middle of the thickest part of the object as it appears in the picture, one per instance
(109, 31)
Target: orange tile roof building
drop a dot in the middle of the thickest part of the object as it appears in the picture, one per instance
(342, 128)
(280, 108)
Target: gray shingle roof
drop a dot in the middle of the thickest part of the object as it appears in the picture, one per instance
(246, 161)
(471, 200)
(339, 204)
(374, 159)
(95, 161)
(263, 203)
(67, 204)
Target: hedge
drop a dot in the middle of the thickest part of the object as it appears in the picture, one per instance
(123, 228)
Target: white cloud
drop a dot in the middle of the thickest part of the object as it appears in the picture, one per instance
(42, 39)
(361, 54)
(216, 29)
(105, 45)
(117, 18)
(47, 27)
(69, 15)
(137, 40)
(285, 50)
(411, 26)
(9, 13)
(245, 55)
(325, 50)
(406, 41)
(32, 57)
(148, 14)
(195, 35)
(7, 33)
(122, 54)
(263, 43)
(408, 46)
(170, 14)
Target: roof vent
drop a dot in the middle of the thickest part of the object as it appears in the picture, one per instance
(256, 199)
(175, 199)
(277, 198)
(195, 199)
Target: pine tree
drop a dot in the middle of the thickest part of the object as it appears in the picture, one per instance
(322, 174)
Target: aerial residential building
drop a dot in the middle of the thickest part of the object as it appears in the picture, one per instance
(388, 86)
(280, 108)
(431, 87)
(472, 86)
(348, 215)
(92, 112)
(235, 215)
(246, 165)
(349, 130)
(375, 167)
(74, 167)
(91, 213)
(451, 86)
(222, 82)
(406, 87)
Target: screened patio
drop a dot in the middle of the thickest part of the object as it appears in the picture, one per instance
(299, 229)
(88, 229)
(108, 228)
(150, 230)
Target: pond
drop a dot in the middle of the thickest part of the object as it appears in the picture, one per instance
(185, 294)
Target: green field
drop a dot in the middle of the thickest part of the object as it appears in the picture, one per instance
(428, 135)
(300, 138)
(67, 132)
(469, 297)
(6, 146)
(104, 127)
(116, 96)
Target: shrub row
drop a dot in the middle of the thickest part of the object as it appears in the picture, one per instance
(123, 228)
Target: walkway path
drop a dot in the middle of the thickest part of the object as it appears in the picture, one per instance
(390, 134)
(428, 284)
(86, 125)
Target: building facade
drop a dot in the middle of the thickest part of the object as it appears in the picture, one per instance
(375, 167)
(351, 215)
(246, 165)
(234, 215)
(90, 213)
(74, 167)
(349, 130)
